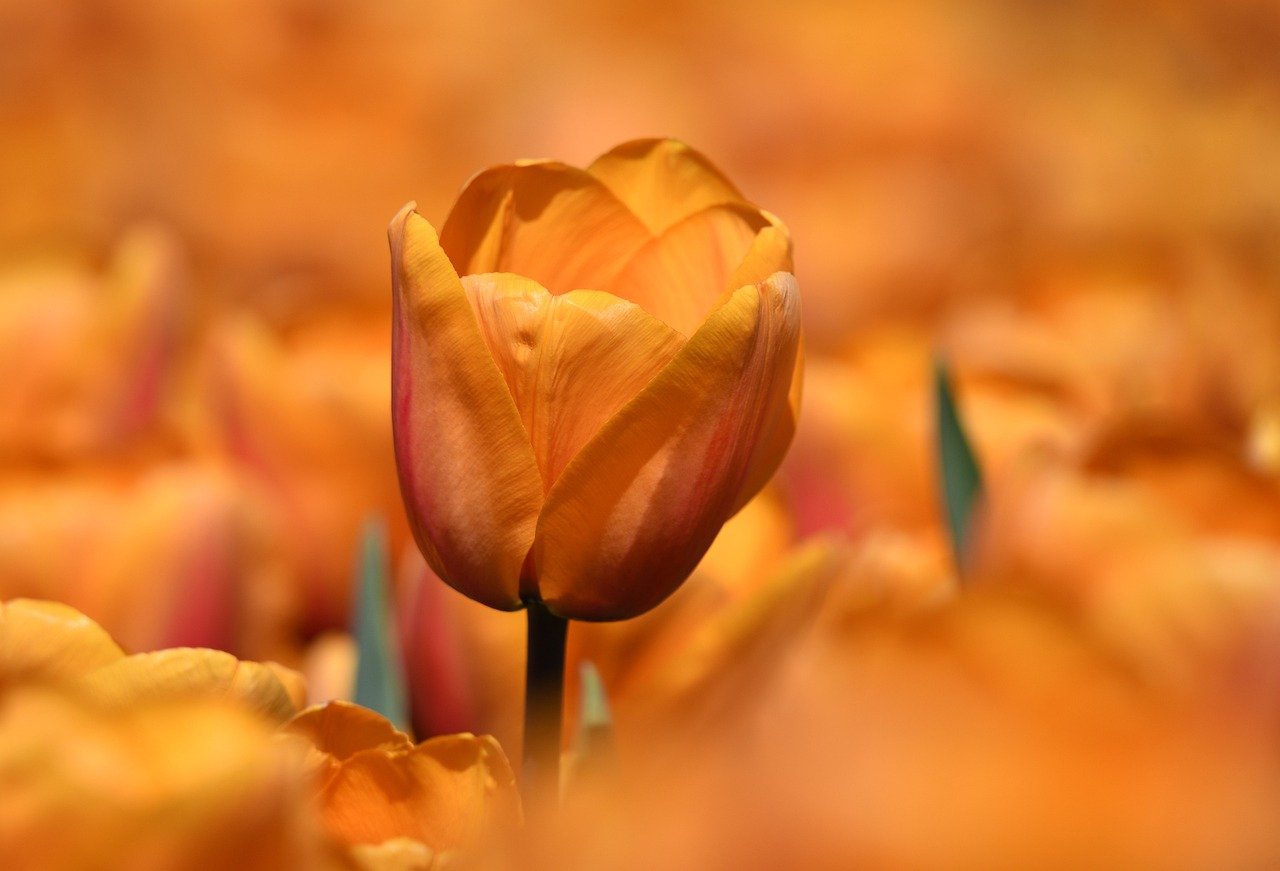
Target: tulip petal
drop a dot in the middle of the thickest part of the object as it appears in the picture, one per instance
(679, 276)
(294, 683)
(777, 436)
(770, 252)
(341, 730)
(444, 792)
(570, 361)
(550, 222)
(188, 672)
(49, 641)
(662, 181)
(467, 471)
(640, 504)
(771, 246)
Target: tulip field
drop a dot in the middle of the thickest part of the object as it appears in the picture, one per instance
(616, 436)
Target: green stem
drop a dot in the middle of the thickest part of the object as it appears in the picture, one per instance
(543, 704)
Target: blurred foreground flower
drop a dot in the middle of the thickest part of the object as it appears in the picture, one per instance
(175, 759)
(855, 715)
(582, 447)
(376, 787)
(159, 761)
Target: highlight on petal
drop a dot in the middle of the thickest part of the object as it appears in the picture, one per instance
(397, 854)
(663, 181)
(638, 507)
(571, 361)
(547, 221)
(679, 276)
(187, 672)
(49, 641)
(467, 471)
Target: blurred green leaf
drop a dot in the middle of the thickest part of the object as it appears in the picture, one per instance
(380, 683)
(594, 742)
(958, 467)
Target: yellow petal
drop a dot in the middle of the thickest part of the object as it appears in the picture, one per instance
(342, 730)
(662, 181)
(640, 504)
(48, 641)
(547, 221)
(444, 792)
(188, 672)
(470, 481)
(770, 252)
(679, 276)
(570, 361)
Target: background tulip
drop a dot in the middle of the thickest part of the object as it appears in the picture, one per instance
(583, 447)
(166, 555)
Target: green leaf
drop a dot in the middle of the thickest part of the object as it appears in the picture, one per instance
(958, 467)
(380, 683)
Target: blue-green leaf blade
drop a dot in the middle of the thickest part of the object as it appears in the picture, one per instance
(961, 477)
(380, 683)
(593, 745)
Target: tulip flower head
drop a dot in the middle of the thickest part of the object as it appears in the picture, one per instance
(592, 371)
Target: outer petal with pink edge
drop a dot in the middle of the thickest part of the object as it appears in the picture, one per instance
(634, 511)
(467, 471)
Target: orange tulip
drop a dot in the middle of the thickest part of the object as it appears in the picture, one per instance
(583, 446)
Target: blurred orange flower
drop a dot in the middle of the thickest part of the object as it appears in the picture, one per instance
(304, 414)
(157, 760)
(157, 784)
(585, 446)
(376, 786)
(856, 714)
(88, 356)
(159, 756)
